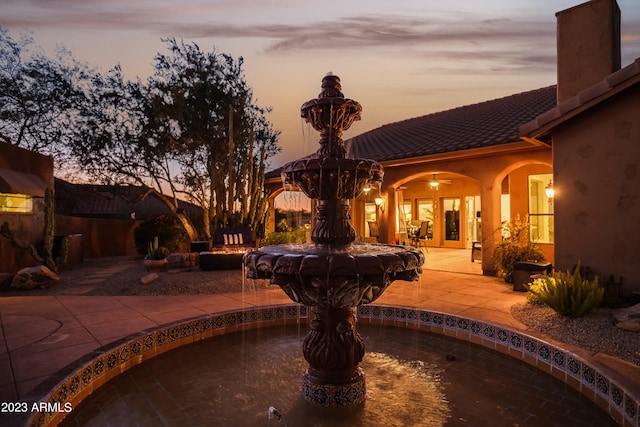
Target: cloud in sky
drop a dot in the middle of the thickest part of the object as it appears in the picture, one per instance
(399, 59)
(512, 41)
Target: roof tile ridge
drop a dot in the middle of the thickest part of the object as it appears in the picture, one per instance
(454, 109)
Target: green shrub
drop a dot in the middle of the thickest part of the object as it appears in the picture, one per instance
(568, 294)
(168, 229)
(280, 237)
(515, 247)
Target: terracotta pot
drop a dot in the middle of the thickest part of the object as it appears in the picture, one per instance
(154, 264)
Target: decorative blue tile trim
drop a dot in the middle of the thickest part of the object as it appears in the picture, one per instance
(118, 357)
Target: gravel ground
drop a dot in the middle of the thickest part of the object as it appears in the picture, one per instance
(121, 276)
(595, 331)
(108, 277)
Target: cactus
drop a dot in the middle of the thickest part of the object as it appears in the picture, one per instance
(156, 252)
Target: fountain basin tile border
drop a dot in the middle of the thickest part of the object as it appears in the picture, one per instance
(78, 380)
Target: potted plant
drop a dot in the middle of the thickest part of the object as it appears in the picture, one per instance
(156, 257)
(515, 247)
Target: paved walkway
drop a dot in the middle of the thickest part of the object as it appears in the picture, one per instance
(41, 335)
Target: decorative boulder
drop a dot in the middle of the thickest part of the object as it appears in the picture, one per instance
(148, 278)
(5, 281)
(182, 260)
(628, 318)
(34, 277)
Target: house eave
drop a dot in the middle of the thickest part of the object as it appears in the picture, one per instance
(511, 147)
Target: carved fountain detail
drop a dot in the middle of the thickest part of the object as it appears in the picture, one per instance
(333, 276)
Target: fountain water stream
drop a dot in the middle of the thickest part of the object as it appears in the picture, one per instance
(333, 276)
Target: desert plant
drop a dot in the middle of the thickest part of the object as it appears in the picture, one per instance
(156, 252)
(167, 228)
(515, 247)
(568, 294)
(279, 237)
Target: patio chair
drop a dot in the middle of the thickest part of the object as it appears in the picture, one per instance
(374, 230)
(422, 234)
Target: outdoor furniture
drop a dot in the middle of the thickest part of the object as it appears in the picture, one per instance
(524, 272)
(422, 235)
(234, 238)
(210, 261)
(200, 246)
(374, 230)
(476, 251)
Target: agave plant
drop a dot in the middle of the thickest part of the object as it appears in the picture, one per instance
(568, 294)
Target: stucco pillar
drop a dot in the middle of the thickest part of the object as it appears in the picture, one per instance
(386, 216)
(491, 223)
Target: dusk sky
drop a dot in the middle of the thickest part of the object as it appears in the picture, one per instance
(399, 59)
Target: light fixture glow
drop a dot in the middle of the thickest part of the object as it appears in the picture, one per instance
(434, 182)
(549, 191)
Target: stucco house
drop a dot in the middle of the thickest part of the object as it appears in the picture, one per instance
(595, 133)
(24, 177)
(566, 156)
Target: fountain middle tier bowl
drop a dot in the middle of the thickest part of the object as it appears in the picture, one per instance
(331, 177)
(337, 278)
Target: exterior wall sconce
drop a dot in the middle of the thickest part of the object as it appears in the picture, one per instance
(366, 189)
(380, 203)
(549, 191)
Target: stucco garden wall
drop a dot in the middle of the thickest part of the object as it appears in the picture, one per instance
(597, 182)
(27, 227)
(100, 237)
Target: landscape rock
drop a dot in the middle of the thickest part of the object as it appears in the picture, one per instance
(34, 277)
(5, 281)
(148, 278)
(628, 318)
(182, 260)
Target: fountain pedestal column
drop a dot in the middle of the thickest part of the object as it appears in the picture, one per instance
(333, 227)
(333, 349)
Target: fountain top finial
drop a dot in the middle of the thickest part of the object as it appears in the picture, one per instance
(331, 87)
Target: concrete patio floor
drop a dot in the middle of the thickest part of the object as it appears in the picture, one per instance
(41, 335)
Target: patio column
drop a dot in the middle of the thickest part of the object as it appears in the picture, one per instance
(491, 223)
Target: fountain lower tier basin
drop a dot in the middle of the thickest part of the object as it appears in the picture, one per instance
(320, 277)
(252, 378)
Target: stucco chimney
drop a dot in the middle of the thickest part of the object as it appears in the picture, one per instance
(588, 45)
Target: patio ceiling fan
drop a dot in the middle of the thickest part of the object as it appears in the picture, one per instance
(435, 182)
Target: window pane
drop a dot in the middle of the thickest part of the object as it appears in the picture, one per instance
(425, 210)
(541, 228)
(369, 215)
(540, 208)
(16, 203)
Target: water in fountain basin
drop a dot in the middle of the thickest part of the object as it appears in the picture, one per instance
(235, 379)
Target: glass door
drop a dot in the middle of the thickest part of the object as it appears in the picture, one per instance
(474, 222)
(370, 215)
(451, 219)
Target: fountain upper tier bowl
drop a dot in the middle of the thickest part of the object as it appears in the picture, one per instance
(331, 177)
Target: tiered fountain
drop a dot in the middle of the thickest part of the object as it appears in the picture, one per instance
(333, 276)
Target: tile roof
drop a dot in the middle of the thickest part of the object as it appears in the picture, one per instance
(583, 100)
(485, 124)
(104, 201)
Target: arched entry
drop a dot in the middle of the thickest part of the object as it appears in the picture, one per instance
(449, 203)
